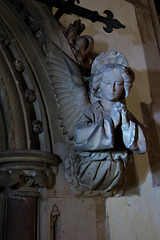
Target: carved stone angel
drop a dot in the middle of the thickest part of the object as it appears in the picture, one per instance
(102, 129)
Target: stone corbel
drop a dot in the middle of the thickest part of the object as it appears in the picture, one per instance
(24, 172)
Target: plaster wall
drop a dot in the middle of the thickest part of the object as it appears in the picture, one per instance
(129, 217)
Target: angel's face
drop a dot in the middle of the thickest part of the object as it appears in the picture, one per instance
(112, 86)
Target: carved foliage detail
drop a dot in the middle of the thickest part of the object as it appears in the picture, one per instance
(26, 178)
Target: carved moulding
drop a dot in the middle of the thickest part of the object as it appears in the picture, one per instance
(27, 162)
(53, 218)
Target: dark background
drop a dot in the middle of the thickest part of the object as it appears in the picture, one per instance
(157, 4)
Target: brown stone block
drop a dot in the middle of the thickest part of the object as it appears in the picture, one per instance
(21, 219)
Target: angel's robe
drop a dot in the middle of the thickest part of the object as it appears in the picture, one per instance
(103, 149)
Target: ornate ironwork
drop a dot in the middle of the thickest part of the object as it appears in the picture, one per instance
(69, 7)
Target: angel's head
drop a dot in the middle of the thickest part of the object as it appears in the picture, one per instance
(111, 81)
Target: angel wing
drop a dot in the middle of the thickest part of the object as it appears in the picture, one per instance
(68, 86)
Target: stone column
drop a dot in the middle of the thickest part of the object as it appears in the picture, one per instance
(22, 174)
(21, 218)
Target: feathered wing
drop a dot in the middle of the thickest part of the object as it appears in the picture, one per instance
(68, 86)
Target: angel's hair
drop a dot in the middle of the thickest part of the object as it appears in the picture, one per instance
(126, 73)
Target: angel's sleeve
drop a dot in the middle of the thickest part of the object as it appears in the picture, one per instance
(91, 134)
(133, 137)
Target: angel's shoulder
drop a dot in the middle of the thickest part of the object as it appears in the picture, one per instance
(92, 107)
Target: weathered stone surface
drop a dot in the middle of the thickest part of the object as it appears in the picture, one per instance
(139, 3)
(133, 217)
(21, 215)
(146, 26)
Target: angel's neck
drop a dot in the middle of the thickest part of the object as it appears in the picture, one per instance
(106, 104)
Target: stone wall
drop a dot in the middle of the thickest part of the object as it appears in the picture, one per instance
(61, 215)
(134, 216)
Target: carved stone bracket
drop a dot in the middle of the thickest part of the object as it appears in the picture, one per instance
(25, 171)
